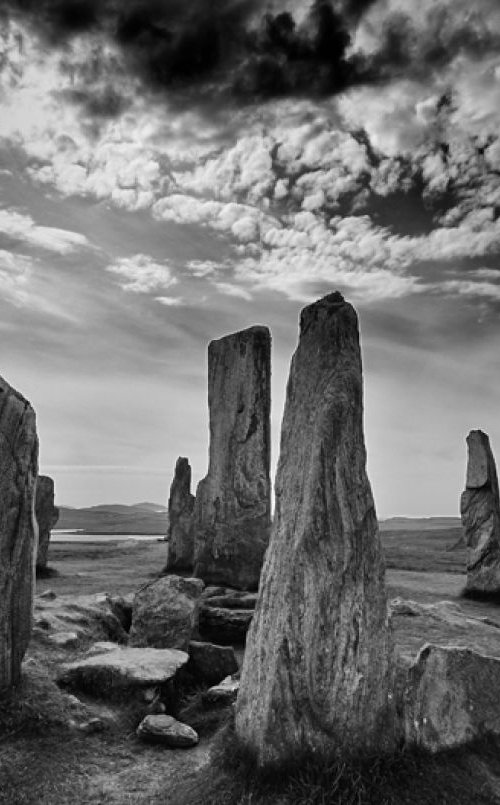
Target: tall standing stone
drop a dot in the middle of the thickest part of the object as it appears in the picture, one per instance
(18, 529)
(480, 510)
(47, 516)
(180, 534)
(317, 670)
(232, 510)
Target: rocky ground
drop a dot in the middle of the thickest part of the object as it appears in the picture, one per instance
(55, 750)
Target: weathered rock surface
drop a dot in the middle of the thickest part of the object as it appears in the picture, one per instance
(317, 672)
(444, 623)
(480, 510)
(225, 626)
(451, 698)
(180, 533)
(112, 673)
(165, 613)
(91, 617)
(18, 529)
(64, 639)
(223, 694)
(47, 516)
(165, 730)
(232, 510)
(211, 663)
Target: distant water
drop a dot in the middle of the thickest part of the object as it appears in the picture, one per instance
(75, 535)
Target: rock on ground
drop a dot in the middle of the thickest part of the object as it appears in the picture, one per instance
(211, 663)
(18, 529)
(47, 516)
(232, 510)
(165, 613)
(165, 730)
(225, 626)
(480, 510)
(113, 673)
(180, 534)
(451, 698)
(223, 694)
(317, 674)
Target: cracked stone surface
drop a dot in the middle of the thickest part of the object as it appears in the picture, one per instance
(232, 510)
(18, 529)
(317, 671)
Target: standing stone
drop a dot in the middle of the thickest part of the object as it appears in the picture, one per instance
(47, 516)
(317, 669)
(180, 534)
(232, 510)
(480, 510)
(18, 529)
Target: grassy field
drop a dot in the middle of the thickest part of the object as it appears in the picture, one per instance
(42, 762)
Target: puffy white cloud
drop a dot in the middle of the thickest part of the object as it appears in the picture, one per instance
(171, 301)
(22, 228)
(141, 274)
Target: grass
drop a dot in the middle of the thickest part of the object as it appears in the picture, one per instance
(424, 551)
(404, 778)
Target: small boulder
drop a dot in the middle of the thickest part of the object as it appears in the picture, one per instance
(165, 730)
(64, 639)
(124, 670)
(211, 663)
(223, 694)
(48, 595)
(165, 613)
(232, 600)
(451, 698)
(224, 626)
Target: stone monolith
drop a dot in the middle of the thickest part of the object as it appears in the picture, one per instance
(18, 529)
(180, 534)
(232, 509)
(47, 516)
(317, 669)
(480, 510)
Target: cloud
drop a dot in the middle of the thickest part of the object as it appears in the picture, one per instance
(171, 301)
(22, 228)
(228, 289)
(141, 274)
(15, 270)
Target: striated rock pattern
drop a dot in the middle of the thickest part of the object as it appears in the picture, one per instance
(232, 510)
(165, 613)
(480, 510)
(18, 529)
(47, 516)
(167, 731)
(180, 534)
(317, 669)
(451, 698)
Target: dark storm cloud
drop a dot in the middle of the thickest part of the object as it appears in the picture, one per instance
(241, 47)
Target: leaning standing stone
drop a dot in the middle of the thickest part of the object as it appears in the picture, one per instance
(317, 669)
(232, 510)
(480, 509)
(18, 530)
(47, 516)
(180, 534)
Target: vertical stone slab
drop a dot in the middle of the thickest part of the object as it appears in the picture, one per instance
(480, 510)
(232, 510)
(18, 529)
(317, 669)
(180, 533)
(47, 516)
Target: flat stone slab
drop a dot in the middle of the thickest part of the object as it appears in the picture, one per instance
(224, 626)
(123, 669)
(166, 730)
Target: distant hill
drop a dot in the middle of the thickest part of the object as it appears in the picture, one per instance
(116, 518)
(419, 523)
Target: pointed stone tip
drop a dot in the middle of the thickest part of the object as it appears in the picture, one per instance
(330, 304)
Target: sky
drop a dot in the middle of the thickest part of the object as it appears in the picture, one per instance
(171, 172)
